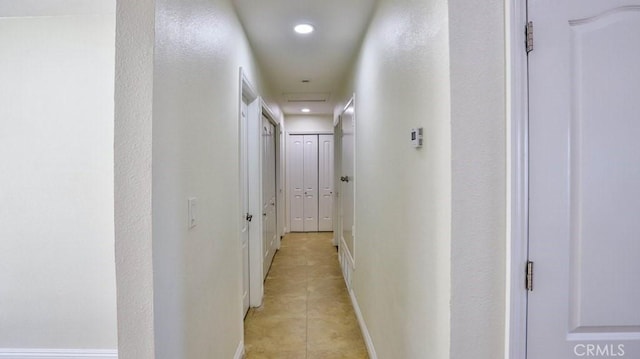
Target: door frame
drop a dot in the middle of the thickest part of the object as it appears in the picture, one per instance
(350, 257)
(248, 91)
(337, 168)
(287, 170)
(248, 96)
(517, 182)
(265, 111)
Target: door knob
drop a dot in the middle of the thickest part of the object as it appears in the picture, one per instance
(344, 179)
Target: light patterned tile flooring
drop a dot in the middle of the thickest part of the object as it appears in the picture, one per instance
(306, 312)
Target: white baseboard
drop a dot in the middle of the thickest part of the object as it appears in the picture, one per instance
(6, 353)
(240, 351)
(363, 327)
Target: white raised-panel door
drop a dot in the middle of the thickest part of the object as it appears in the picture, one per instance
(296, 180)
(244, 204)
(310, 178)
(269, 226)
(325, 182)
(584, 227)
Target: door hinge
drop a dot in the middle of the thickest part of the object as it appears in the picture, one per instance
(529, 276)
(248, 217)
(529, 36)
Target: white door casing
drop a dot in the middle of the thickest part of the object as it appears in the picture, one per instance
(325, 183)
(584, 176)
(310, 179)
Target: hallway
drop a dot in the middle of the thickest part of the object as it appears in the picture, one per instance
(137, 166)
(307, 312)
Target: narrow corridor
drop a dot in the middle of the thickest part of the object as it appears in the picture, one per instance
(307, 312)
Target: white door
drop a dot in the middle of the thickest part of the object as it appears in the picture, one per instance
(269, 230)
(337, 170)
(244, 204)
(310, 174)
(296, 180)
(584, 215)
(325, 183)
(311, 182)
(347, 178)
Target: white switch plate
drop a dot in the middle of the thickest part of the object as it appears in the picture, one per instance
(416, 137)
(192, 205)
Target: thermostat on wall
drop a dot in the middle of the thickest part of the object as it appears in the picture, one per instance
(416, 137)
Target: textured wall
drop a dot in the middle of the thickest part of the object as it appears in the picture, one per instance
(478, 155)
(133, 121)
(177, 93)
(200, 46)
(427, 219)
(402, 218)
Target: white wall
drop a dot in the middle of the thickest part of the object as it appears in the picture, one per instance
(403, 195)
(426, 219)
(478, 121)
(198, 49)
(57, 269)
(308, 123)
(135, 42)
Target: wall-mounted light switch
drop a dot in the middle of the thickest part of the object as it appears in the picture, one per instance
(416, 137)
(192, 208)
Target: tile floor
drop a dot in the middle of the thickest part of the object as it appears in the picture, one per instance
(307, 312)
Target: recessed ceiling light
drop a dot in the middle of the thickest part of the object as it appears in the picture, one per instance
(305, 110)
(303, 29)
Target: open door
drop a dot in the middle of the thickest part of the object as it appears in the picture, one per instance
(584, 164)
(344, 164)
(269, 193)
(248, 103)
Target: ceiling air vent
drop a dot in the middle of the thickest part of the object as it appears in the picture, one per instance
(307, 97)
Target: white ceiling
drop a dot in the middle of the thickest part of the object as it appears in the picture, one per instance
(23, 8)
(322, 57)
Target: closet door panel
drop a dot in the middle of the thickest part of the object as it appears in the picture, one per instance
(310, 178)
(325, 182)
(296, 160)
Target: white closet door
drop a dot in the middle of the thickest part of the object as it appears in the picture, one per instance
(296, 179)
(310, 177)
(325, 182)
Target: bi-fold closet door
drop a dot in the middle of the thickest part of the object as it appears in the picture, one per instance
(311, 163)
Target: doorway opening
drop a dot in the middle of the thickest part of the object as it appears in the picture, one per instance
(311, 182)
(259, 152)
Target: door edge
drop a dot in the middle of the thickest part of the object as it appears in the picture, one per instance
(517, 181)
